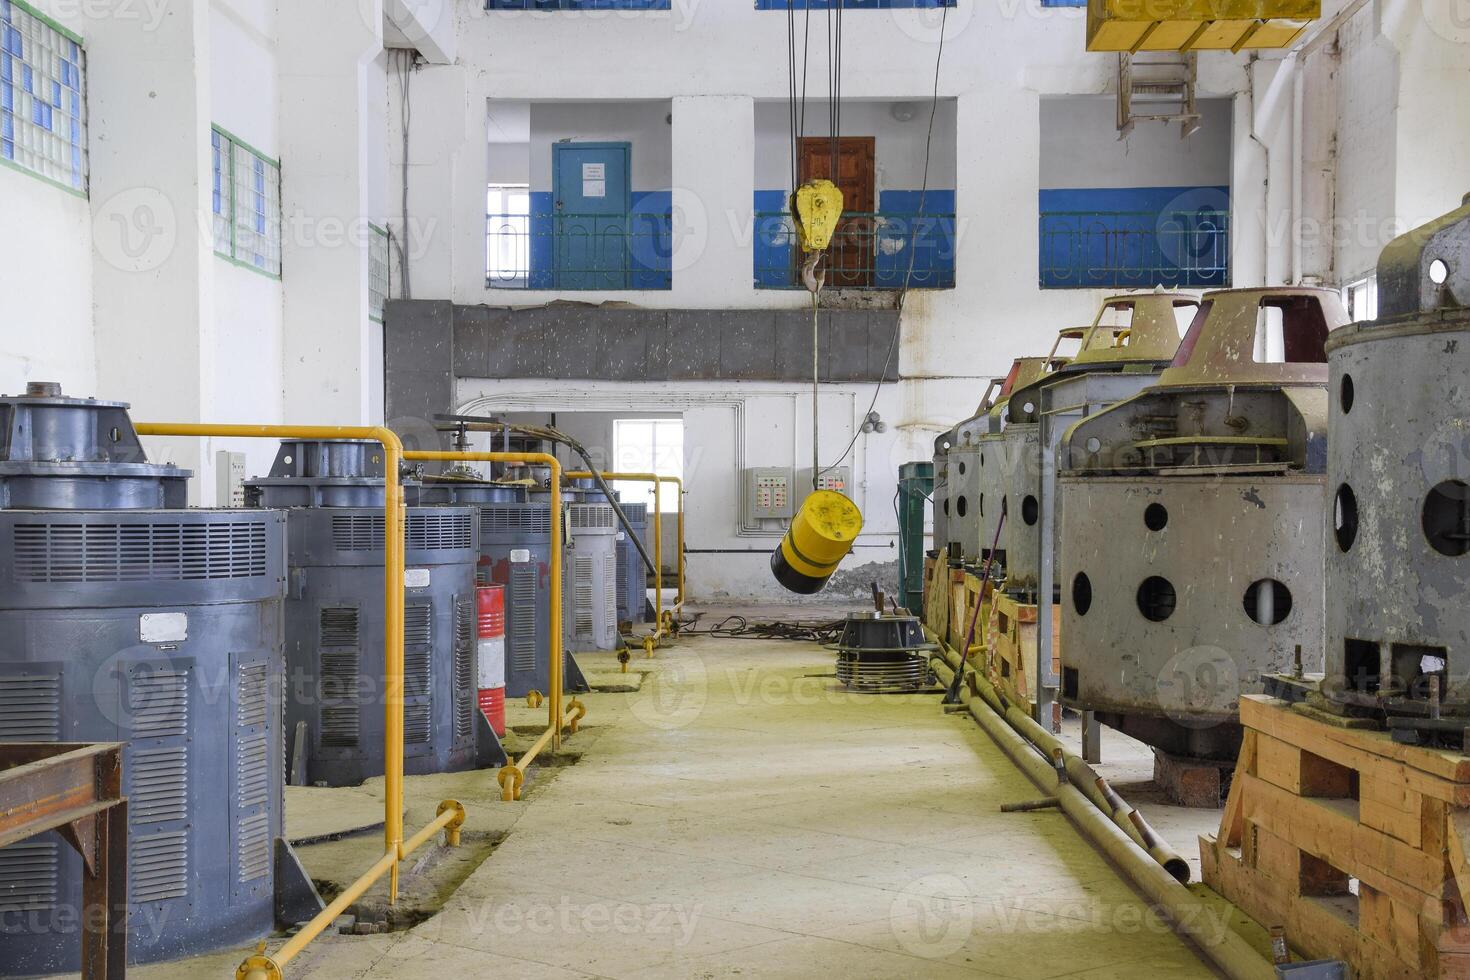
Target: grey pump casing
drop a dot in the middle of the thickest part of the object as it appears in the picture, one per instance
(333, 493)
(125, 617)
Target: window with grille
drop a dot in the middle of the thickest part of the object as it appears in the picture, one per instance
(377, 272)
(43, 97)
(247, 204)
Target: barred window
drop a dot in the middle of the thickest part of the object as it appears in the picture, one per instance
(247, 204)
(43, 104)
(377, 272)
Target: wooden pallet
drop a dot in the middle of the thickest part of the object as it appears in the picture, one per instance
(1013, 650)
(936, 596)
(964, 597)
(1356, 845)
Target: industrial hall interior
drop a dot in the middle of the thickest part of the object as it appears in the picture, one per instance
(619, 489)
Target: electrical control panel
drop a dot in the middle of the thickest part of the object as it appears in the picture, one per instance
(838, 478)
(229, 475)
(768, 494)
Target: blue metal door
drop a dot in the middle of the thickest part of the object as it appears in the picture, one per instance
(593, 197)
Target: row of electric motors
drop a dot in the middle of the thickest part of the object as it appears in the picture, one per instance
(236, 650)
(1276, 492)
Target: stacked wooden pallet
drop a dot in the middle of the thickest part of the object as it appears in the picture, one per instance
(1013, 652)
(1355, 844)
(964, 598)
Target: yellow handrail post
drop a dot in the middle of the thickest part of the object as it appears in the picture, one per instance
(451, 814)
(554, 702)
(658, 538)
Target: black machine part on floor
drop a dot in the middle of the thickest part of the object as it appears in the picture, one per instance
(883, 654)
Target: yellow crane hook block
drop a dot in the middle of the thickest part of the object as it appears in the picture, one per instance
(817, 210)
(821, 535)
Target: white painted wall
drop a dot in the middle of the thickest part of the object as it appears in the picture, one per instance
(46, 273)
(248, 307)
(642, 124)
(1080, 147)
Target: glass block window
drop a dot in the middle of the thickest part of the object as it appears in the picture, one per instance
(221, 192)
(377, 272)
(43, 104)
(247, 204)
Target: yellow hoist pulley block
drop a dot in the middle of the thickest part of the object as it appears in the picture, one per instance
(818, 209)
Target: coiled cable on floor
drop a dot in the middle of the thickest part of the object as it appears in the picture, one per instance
(740, 628)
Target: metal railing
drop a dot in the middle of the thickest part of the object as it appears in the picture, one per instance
(569, 251)
(1135, 249)
(871, 250)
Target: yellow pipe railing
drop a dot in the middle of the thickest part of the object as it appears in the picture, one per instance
(513, 775)
(661, 628)
(261, 967)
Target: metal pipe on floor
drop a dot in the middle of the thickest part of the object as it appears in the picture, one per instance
(1191, 916)
(1081, 775)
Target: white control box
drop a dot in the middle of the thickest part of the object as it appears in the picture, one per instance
(838, 478)
(768, 494)
(229, 475)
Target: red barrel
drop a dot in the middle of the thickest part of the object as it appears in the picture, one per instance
(490, 610)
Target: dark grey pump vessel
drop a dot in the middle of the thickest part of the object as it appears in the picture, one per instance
(333, 493)
(125, 617)
(632, 579)
(515, 552)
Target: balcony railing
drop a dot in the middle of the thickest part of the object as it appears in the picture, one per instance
(871, 250)
(1135, 249)
(565, 251)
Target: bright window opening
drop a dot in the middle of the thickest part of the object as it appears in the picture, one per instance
(649, 446)
(1361, 298)
(508, 234)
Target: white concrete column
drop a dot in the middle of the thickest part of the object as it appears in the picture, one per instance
(713, 199)
(153, 273)
(325, 52)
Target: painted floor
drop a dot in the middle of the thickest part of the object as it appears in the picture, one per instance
(741, 815)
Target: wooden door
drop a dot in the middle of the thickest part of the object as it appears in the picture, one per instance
(850, 259)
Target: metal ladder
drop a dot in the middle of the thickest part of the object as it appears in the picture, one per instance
(1157, 86)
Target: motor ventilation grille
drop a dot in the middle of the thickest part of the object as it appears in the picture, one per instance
(434, 531)
(132, 552)
(29, 876)
(525, 519)
(590, 517)
(30, 709)
(523, 589)
(158, 866)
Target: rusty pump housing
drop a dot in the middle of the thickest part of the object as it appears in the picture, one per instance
(1398, 524)
(1193, 519)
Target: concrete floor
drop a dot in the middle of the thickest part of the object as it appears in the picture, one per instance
(743, 815)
